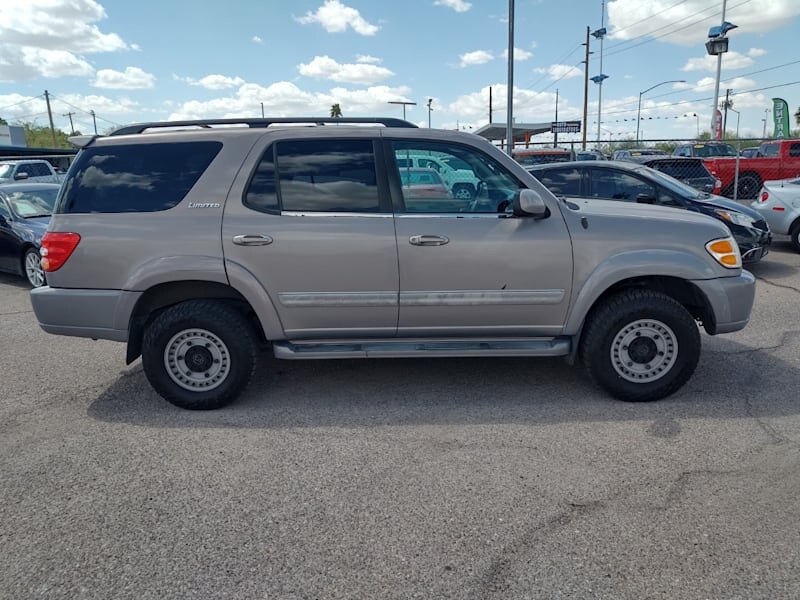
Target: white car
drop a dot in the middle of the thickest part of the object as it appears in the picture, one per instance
(779, 203)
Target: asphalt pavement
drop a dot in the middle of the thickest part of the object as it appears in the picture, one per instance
(451, 478)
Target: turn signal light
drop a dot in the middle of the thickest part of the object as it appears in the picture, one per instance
(56, 249)
(725, 252)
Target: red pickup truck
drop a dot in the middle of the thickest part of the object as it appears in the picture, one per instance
(776, 159)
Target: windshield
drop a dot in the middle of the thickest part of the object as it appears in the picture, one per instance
(5, 171)
(714, 150)
(35, 203)
(672, 184)
(455, 163)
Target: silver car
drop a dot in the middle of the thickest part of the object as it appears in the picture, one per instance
(779, 203)
(199, 246)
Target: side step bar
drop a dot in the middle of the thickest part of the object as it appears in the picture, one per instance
(559, 346)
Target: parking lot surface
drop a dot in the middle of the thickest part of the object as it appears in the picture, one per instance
(456, 478)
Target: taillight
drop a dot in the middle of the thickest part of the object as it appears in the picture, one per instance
(764, 196)
(56, 249)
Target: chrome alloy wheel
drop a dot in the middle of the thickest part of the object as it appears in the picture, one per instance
(197, 360)
(644, 351)
(33, 269)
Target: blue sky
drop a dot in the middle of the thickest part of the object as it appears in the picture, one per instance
(146, 60)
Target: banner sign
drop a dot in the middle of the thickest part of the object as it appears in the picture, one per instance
(565, 127)
(780, 115)
(717, 125)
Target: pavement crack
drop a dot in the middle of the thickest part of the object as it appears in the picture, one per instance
(18, 312)
(779, 285)
(775, 437)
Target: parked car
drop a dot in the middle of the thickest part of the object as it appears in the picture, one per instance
(423, 188)
(589, 155)
(636, 152)
(40, 171)
(691, 171)
(777, 159)
(779, 203)
(457, 175)
(704, 149)
(205, 243)
(539, 156)
(749, 152)
(25, 210)
(634, 183)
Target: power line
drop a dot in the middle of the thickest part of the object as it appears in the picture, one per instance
(88, 112)
(559, 61)
(669, 8)
(22, 101)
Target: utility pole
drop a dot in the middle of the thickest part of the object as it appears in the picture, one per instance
(725, 107)
(490, 104)
(585, 90)
(71, 126)
(430, 101)
(94, 120)
(555, 133)
(50, 116)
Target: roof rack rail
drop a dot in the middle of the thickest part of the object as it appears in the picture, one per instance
(255, 122)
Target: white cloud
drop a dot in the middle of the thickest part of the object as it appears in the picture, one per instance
(560, 71)
(285, 99)
(519, 54)
(688, 23)
(477, 57)
(528, 105)
(256, 40)
(324, 67)
(456, 5)
(730, 60)
(367, 59)
(48, 38)
(706, 84)
(133, 78)
(335, 17)
(213, 82)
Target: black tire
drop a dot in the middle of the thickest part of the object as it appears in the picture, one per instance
(202, 344)
(32, 268)
(794, 233)
(749, 185)
(464, 191)
(666, 351)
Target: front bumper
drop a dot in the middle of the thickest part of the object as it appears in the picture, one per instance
(730, 300)
(753, 243)
(96, 314)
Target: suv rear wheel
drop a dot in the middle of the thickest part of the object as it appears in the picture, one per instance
(640, 345)
(199, 354)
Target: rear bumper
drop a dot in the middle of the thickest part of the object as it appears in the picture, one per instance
(730, 299)
(96, 314)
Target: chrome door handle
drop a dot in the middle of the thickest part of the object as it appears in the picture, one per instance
(252, 240)
(428, 240)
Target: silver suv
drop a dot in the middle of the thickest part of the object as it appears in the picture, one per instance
(200, 243)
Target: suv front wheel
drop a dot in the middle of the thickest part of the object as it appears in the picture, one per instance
(199, 354)
(640, 345)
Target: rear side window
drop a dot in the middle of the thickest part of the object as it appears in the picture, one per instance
(316, 176)
(794, 150)
(562, 182)
(135, 177)
(690, 169)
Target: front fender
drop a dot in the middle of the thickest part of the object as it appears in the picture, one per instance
(630, 265)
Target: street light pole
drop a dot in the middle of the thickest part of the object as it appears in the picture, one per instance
(716, 81)
(510, 94)
(430, 101)
(404, 103)
(639, 110)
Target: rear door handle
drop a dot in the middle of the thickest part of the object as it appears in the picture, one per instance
(428, 240)
(252, 240)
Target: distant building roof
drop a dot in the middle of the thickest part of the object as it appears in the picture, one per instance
(497, 131)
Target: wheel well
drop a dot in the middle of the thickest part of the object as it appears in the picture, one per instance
(795, 223)
(682, 291)
(162, 296)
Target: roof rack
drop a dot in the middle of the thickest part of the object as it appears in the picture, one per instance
(207, 123)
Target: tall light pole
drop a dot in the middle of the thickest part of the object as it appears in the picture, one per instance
(600, 34)
(510, 94)
(430, 101)
(262, 110)
(717, 45)
(639, 111)
(404, 103)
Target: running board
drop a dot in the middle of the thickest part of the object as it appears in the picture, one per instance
(559, 346)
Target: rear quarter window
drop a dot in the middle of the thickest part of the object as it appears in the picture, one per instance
(135, 177)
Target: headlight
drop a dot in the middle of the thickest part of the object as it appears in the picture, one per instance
(726, 252)
(731, 216)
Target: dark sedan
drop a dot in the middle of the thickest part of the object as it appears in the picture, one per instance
(629, 182)
(25, 210)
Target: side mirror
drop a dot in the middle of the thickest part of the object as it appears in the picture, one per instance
(645, 199)
(22, 175)
(3, 221)
(528, 203)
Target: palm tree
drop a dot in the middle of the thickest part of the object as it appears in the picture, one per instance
(336, 111)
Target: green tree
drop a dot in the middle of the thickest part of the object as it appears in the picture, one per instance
(39, 136)
(336, 111)
(3, 121)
